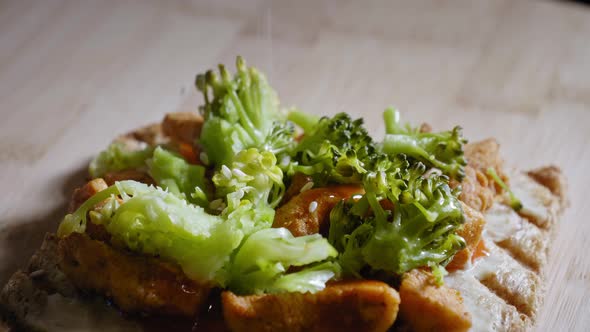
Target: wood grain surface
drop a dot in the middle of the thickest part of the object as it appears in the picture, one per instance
(74, 74)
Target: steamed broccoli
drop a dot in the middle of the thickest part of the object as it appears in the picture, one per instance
(240, 112)
(442, 150)
(173, 173)
(117, 157)
(336, 149)
(395, 230)
(304, 120)
(252, 176)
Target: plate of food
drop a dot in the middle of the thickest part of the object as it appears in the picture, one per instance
(246, 216)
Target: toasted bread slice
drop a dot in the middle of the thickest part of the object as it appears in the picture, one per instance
(504, 290)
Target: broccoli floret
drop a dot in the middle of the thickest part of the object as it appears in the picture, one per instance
(252, 176)
(117, 157)
(173, 173)
(337, 149)
(397, 230)
(240, 112)
(442, 150)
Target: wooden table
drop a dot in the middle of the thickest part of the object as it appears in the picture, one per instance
(73, 74)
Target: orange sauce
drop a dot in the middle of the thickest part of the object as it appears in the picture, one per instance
(480, 251)
(189, 153)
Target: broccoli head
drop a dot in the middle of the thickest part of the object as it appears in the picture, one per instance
(240, 112)
(394, 231)
(336, 149)
(442, 150)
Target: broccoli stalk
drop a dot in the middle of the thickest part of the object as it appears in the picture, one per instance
(304, 120)
(515, 203)
(442, 150)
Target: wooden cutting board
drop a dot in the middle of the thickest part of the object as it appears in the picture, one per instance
(75, 74)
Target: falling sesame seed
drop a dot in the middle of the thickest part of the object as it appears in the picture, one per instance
(357, 197)
(306, 187)
(204, 157)
(313, 206)
(226, 172)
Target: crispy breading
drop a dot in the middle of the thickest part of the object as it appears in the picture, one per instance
(552, 178)
(426, 306)
(479, 189)
(183, 127)
(135, 283)
(309, 211)
(361, 305)
(484, 154)
(150, 135)
(129, 174)
(470, 231)
(298, 182)
(83, 193)
(476, 191)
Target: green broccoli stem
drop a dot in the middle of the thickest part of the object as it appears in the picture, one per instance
(391, 118)
(395, 144)
(304, 120)
(515, 203)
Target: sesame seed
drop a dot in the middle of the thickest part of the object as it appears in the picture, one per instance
(238, 172)
(306, 187)
(226, 172)
(313, 206)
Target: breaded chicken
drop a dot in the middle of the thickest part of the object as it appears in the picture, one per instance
(83, 193)
(478, 188)
(135, 283)
(426, 306)
(470, 231)
(344, 306)
(299, 181)
(309, 212)
(183, 127)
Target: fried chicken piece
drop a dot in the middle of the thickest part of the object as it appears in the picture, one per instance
(150, 135)
(426, 306)
(129, 174)
(83, 193)
(484, 154)
(135, 283)
(363, 305)
(475, 190)
(184, 127)
(478, 189)
(298, 183)
(309, 211)
(470, 231)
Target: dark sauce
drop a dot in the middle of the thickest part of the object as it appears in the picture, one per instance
(209, 319)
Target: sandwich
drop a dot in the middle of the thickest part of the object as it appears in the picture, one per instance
(245, 216)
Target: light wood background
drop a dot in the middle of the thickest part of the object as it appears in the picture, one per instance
(73, 74)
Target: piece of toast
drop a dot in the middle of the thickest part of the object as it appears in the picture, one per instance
(503, 291)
